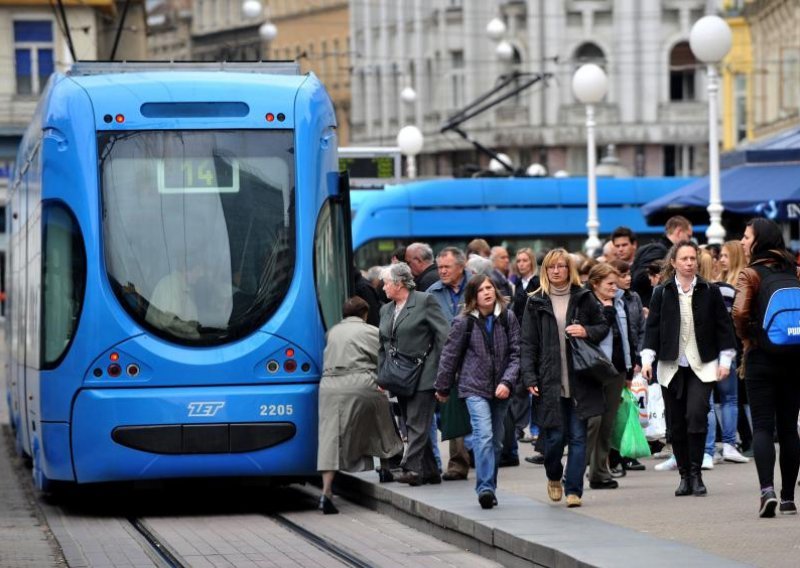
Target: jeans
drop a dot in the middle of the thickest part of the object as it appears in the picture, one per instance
(728, 399)
(572, 433)
(486, 417)
(434, 434)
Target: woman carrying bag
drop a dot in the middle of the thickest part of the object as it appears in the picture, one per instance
(483, 350)
(412, 324)
(690, 332)
(561, 308)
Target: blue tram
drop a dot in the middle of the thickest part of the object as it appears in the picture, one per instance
(179, 241)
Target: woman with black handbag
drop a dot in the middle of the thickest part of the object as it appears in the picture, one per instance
(690, 332)
(412, 327)
(620, 349)
(559, 309)
(483, 349)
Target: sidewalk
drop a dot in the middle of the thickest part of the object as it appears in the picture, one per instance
(25, 540)
(641, 523)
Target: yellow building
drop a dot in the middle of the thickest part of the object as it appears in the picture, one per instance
(316, 33)
(737, 81)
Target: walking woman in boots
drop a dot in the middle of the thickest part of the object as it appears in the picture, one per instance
(690, 333)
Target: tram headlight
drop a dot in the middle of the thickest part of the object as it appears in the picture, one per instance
(114, 370)
(290, 365)
(273, 366)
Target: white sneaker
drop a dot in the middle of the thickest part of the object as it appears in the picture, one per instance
(718, 458)
(731, 454)
(668, 465)
(708, 462)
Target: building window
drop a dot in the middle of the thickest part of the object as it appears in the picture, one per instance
(790, 79)
(457, 78)
(740, 107)
(590, 53)
(678, 160)
(33, 55)
(682, 71)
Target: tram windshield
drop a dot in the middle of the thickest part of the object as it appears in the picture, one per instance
(199, 228)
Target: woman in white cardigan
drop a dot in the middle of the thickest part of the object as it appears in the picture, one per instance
(689, 331)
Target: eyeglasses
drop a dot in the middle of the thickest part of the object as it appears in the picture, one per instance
(558, 267)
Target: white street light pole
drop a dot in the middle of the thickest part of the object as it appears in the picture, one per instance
(710, 40)
(589, 84)
(410, 141)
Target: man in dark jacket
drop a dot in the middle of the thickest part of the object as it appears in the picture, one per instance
(677, 228)
(364, 290)
(419, 258)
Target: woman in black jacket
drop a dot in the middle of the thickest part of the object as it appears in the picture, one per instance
(561, 308)
(690, 332)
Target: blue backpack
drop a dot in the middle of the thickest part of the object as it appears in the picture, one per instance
(777, 315)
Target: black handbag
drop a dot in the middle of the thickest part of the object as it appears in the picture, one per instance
(400, 372)
(590, 362)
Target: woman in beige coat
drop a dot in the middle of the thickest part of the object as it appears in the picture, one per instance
(355, 421)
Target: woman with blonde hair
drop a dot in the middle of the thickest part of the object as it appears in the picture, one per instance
(558, 309)
(731, 261)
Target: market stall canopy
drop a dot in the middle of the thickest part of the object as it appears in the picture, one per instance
(761, 179)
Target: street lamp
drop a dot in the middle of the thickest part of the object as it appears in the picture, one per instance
(267, 32)
(252, 8)
(410, 141)
(589, 84)
(710, 40)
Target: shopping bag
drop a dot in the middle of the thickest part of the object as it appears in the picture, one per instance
(454, 418)
(639, 390)
(657, 420)
(628, 436)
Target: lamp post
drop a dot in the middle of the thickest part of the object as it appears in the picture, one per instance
(410, 141)
(710, 40)
(268, 32)
(589, 84)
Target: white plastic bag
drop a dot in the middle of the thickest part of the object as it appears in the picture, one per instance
(639, 390)
(657, 421)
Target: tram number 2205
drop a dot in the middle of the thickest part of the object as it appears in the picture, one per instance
(275, 410)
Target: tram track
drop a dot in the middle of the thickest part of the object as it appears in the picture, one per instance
(164, 553)
(321, 543)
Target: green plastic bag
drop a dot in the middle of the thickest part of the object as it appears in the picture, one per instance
(628, 436)
(454, 417)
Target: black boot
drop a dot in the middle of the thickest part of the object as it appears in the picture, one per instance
(685, 486)
(697, 444)
(680, 450)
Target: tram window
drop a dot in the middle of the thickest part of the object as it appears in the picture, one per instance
(199, 229)
(64, 281)
(330, 270)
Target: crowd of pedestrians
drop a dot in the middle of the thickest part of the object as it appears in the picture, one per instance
(496, 329)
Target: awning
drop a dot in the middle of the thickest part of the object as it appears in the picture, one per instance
(769, 190)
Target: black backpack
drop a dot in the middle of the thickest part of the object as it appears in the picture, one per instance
(776, 318)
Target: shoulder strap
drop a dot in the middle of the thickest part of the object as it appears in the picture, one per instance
(465, 342)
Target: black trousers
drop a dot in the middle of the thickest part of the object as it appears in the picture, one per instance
(774, 393)
(686, 400)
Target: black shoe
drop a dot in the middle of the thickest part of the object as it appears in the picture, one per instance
(508, 462)
(684, 487)
(537, 459)
(787, 508)
(633, 465)
(769, 501)
(453, 476)
(434, 479)
(607, 484)
(698, 487)
(618, 471)
(409, 477)
(486, 499)
(385, 475)
(327, 507)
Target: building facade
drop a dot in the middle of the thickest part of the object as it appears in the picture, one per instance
(34, 47)
(655, 112)
(775, 28)
(316, 33)
(169, 31)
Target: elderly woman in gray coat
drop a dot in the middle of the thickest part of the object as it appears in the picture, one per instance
(414, 324)
(355, 421)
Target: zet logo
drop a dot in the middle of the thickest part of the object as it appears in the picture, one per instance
(204, 409)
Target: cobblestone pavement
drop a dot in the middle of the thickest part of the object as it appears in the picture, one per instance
(725, 522)
(25, 539)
